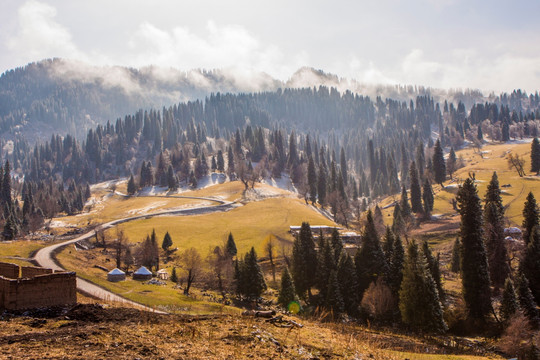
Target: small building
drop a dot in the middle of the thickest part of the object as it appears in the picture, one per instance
(116, 275)
(163, 274)
(142, 273)
(513, 232)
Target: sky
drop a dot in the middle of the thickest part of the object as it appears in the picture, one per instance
(452, 44)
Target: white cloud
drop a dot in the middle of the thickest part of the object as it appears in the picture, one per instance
(40, 36)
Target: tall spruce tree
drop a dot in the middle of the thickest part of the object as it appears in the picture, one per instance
(404, 204)
(325, 265)
(304, 261)
(530, 263)
(455, 262)
(321, 183)
(439, 166)
(474, 265)
(526, 300)
(287, 292)
(427, 197)
(418, 297)
(499, 268)
(346, 276)
(337, 244)
(312, 181)
(131, 187)
(252, 276)
(451, 163)
(509, 302)
(530, 217)
(535, 156)
(230, 246)
(369, 260)
(6, 186)
(334, 298)
(416, 192)
(434, 268)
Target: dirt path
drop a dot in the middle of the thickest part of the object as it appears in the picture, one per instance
(45, 257)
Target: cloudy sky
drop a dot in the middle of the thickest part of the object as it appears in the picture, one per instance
(488, 45)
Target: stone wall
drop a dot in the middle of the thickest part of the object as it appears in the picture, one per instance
(38, 287)
(10, 271)
(31, 271)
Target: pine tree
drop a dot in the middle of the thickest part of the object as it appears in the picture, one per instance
(312, 181)
(427, 197)
(346, 276)
(369, 259)
(530, 217)
(343, 166)
(404, 204)
(530, 263)
(167, 242)
(337, 244)
(131, 187)
(287, 292)
(253, 276)
(439, 167)
(396, 266)
(388, 245)
(509, 302)
(499, 268)
(418, 298)
(6, 186)
(535, 156)
(451, 163)
(325, 265)
(416, 192)
(172, 181)
(474, 265)
(220, 163)
(304, 261)
(455, 263)
(334, 298)
(526, 300)
(174, 276)
(434, 269)
(230, 247)
(321, 183)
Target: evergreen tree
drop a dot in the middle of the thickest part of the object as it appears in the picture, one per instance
(325, 265)
(474, 265)
(346, 276)
(455, 263)
(434, 269)
(174, 276)
(334, 299)
(526, 300)
(530, 217)
(416, 192)
(404, 204)
(499, 268)
(220, 163)
(131, 187)
(427, 197)
(304, 261)
(451, 163)
(321, 183)
(230, 161)
(530, 263)
(388, 245)
(418, 297)
(337, 244)
(509, 302)
(312, 181)
(6, 185)
(172, 181)
(167, 242)
(343, 166)
(396, 266)
(252, 276)
(287, 292)
(230, 247)
(369, 260)
(439, 167)
(535, 156)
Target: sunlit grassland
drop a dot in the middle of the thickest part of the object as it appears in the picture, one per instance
(156, 296)
(18, 250)
(250, 225)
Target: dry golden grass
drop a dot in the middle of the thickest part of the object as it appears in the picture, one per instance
(19, 251)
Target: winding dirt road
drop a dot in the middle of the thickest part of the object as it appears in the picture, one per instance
(46, 257)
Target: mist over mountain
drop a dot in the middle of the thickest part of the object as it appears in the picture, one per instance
(68, 96)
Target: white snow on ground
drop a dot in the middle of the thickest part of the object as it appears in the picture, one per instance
(147, 208)
(283, 183)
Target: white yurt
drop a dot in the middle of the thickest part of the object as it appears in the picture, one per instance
(142, 273)
(116, 275)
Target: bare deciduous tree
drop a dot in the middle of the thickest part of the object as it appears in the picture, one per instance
(192, 263)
